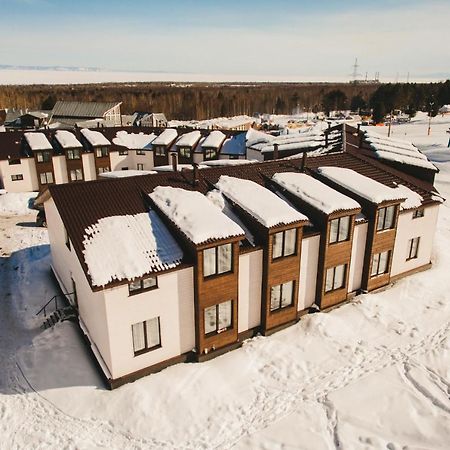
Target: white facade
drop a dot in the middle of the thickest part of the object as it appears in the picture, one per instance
(357, 257)
(308, 272)
(26, 168)
(60, 169)
(409, 228)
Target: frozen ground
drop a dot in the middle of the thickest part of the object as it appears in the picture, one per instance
(373, 374)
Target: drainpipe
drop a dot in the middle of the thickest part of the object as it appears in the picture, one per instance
(174, 162)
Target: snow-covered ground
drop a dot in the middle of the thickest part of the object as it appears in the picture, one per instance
(372, 374)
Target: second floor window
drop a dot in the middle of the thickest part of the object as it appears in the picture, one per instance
(17, 177)
(123, 152)
(185, 152)
(144, 284)
(281, 296)
(160, 150)
(140, 152)
(43, 157)
(210, 153)
(76, 175)
(219, 317)
(339, 229)
(386, 218)
(12, 162)
(335, 278)
(380, 263)
(418, 213)
(46, 177)
(101, 152)
(146, 336)
(284, 243)
(413, 248)
(73, 153)
(217, 260)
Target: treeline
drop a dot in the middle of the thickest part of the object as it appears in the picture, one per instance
(202, 101)
(189, 101)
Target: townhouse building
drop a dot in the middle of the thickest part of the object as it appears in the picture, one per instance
(183, 266)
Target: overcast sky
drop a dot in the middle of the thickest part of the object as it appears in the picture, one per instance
(315, 39)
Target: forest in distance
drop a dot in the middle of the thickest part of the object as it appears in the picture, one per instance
(198, 101)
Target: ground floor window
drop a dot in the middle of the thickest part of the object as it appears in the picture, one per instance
(103, 169)
(146, 336)
(413, 248)
(219, 317)
(380, 263)
(17, 177)
(140, 166)
(76, 175)
(46, 177)
(281, 296)
(335, 278)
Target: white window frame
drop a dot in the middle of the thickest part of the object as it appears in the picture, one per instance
(142, 285)
(78, 175)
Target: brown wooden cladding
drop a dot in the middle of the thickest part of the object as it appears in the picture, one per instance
(332, 255)
(276, 272)
(73, 164)
(42, 167)
(212, 291)
(101, 162)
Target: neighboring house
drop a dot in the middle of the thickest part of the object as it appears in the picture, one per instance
(71, 113)
(444, 110)
(151, 120)
(184, 266)
(29, 120)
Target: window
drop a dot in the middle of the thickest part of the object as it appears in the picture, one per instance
(103, 169)
(185, 152)
(413, 248)
(140, 152)
(219, 317)
(73, 153)
(380, 263)
(210, 153)
(339, 229)
(140, 166)
(76, 175)
(123, 152)
(144, 284)
(43, 157)
(234, 157)
(13, 162)
(281, 296)
(146, 336)
(418, 213)
(46, 177)
(160, 150)
(284, 243)
(386, 218)
(217, 260)
(101, 152)
(335, 278)
(17, 177)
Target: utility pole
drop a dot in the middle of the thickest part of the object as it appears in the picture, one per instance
(390, 122)
(355, 70)
(429, 119)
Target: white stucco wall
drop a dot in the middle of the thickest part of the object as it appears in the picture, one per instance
(60, 169)
(408, 228)
(250, 285)
(172, 302)
(308, 272)
(357, 258)
(119, 161)
(254, 154)
(146, 159)
(89, 166)
(27, 168)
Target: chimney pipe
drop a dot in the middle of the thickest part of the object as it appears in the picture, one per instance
(195, 177)
(174, 162)
(275, 151)
(344, 137)
(304, 156)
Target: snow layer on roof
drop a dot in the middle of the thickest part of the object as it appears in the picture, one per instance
(169, 167)
(228, 162)
(214, 139)
(413, 199)
(38, 141)
(314, 192)
(397, 150)
(264, 205)
(166, 137)
(126, 247)
(95, 138)
(189, 139)
(67, 139)
(194, 214)
(361, 185)
(126, 173)
(219, 200)
(134, 141)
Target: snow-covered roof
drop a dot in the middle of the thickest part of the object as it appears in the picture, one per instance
(194, 214)
(126, 173)
(189, 139)
(314, 192)
(95, 138)
(397, 150)
(265, 206)
(169, 167)
(38, 141)
(166, 137)
(67, 139)
(413, 199)
(361, 185)
(126, 247)
(214, 139)
(227, 162)
(134, 141)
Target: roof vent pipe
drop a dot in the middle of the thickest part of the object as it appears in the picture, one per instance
(275, 151)
(195, 174)
(304, 156)
(174, 157)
